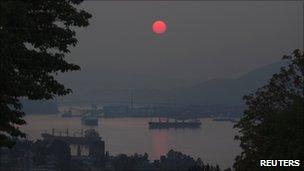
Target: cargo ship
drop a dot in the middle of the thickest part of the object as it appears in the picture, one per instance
(67, 114)
(177, 123)
(225, 119)
(89, 120)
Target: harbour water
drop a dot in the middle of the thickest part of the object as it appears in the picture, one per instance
(213, 142)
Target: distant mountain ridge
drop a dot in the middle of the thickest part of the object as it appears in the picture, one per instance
(211, 92)
(229, 91)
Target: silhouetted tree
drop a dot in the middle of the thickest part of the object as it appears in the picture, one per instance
(273, 123)
(40, 151)
(61, 152)
(35, 36)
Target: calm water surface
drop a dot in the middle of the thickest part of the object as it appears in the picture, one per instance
(213, 142)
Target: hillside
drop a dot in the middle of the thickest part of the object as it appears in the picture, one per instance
(216, 91)
(228, 91)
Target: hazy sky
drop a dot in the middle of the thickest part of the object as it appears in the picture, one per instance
(204, 40)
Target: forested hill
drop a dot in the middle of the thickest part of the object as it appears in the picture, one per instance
(228, 91)
(216, 91)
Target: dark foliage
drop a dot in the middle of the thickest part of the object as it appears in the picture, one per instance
(27, 154)
(56, 155)
(61, 151)
(35, 36)
(173, 161)
(273, 123)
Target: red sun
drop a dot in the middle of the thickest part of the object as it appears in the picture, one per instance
(159, 27)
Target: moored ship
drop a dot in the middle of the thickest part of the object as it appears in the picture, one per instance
(67, 114)
(177, 123)
(89, 120)
(223, 119)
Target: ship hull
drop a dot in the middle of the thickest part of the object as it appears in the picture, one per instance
(88, 121)
(162, 125)
(224, 119)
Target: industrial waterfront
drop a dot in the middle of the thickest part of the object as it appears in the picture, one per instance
(213, 141)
